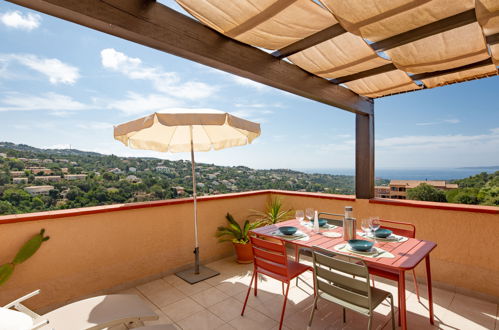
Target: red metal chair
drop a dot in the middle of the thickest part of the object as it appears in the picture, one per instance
(270, 259)
(398, 228)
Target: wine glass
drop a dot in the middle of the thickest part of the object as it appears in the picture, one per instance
(309, 214)
(299, 215)
(374, 224)
(365, 225)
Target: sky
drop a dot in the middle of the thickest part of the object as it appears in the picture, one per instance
(64, 85)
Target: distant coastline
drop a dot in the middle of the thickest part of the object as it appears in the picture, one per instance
(413, 173)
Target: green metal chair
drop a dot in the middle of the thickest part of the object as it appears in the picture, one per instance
(333, 280)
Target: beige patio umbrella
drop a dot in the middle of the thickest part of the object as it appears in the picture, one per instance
(201, 130)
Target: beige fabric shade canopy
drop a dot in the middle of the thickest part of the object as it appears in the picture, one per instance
(191, 131)
(375, 52)
(171, 132)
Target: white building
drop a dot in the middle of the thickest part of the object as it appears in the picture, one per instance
(115, 170)
(75, 176)
(38, 190)
(132, 169)
(3, 155)
(19, 180)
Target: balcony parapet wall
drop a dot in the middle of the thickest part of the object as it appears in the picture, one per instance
(96, 248)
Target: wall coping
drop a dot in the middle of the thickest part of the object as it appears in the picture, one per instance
(46, 215)
(436, 205)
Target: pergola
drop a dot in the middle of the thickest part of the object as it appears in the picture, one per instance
(343, 53)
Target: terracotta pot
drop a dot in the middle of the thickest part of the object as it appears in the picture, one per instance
(244, 253)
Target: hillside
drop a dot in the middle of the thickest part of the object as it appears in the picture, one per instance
(71, 178)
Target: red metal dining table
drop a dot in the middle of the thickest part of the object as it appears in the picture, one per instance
(407, 255)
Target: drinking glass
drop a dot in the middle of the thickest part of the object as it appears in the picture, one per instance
(299, 215)
(374, 224)
(366, 225)
(309, 214)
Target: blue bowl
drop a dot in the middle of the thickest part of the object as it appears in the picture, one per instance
(322, 222)
(360, 245)
(288, 230)
(382, 233)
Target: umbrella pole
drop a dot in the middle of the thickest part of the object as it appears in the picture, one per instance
(194, 195)
(200, 273)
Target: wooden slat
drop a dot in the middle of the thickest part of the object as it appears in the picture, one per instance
(310, 41)
(261, 17)
(364, 74)
(364, 156)
(493, 39)
(426, 75)
(154, 25)
(424, 31)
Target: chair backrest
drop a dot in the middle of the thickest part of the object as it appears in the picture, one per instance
(334, 273)
(399, 228)
(269, 256)
(332, 218)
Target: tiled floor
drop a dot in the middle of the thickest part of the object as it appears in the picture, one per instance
(216, 304)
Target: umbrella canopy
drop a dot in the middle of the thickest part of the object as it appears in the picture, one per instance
(188, 132)
(173, 132)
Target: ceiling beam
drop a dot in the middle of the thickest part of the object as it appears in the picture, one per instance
(493, 39)
(152, 24)
(364, 74)
(426, 75)
(310, 41)
(424, 31)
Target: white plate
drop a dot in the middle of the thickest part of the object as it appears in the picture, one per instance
(331, 234)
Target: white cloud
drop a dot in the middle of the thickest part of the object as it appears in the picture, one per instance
(58, 146)
(138, 104)
(18, 20)
(166, 82)
(95, 125)
(248, 83)
(445, 121)
(55, 70)
(57, 103)
(438, 141)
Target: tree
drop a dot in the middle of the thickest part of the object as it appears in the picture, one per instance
(7, 208)
(15, 196)
(425, 192)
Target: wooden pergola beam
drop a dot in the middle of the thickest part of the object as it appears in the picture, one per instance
(492, 39)
(310, 41)
(155, 25)
(427, 30)
(426, 75)
(364, 74)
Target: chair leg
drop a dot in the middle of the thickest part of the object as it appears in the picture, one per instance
(247, 294)
(372, 280)
(313, 312)
(344, 315)
(415, 282)
(392, 312)
(284, 306)
(256, 282)
(369, 323)
(282, 284)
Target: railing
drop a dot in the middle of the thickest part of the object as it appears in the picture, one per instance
(97, 248)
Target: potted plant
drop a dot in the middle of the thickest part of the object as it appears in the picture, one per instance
(239, 236)
(273, 214)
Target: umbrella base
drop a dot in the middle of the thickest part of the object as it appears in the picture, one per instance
(204, 274)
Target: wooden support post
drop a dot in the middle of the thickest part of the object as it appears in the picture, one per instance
(364, 156)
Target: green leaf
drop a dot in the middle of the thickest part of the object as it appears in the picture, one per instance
(6, 272)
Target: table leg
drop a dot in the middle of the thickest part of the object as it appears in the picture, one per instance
(296, 253)
(430, 293)
(402, 301)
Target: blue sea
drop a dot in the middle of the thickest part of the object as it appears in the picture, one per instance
(412, 174)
